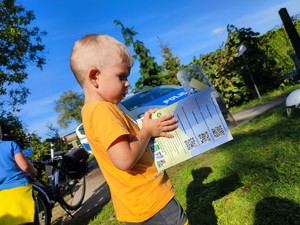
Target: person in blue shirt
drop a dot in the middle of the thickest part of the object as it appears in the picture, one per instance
(16, 197)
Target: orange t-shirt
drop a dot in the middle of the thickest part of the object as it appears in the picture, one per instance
(138, 193)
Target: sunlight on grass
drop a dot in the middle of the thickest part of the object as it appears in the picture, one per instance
(261, 162)
(253, 179)
(107, 216)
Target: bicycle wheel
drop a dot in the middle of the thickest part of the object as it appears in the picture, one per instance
(71, 191)
(42, 211)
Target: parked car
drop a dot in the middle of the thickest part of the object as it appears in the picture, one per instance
(135, 105)
(82, 138)
(158, 97)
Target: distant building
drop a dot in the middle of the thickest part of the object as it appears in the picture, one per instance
(71, 138)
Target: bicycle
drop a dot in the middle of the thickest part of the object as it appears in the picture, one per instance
(67, 184)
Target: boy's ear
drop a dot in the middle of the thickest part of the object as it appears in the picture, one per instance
(93, 74)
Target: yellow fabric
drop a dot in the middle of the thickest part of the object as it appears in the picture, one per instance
(137, 194)
(16, 206)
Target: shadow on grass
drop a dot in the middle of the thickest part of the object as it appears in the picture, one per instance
(91, 207)
(277, 211)
(266, 153)
(200, 196)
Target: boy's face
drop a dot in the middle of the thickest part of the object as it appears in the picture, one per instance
(113, 83)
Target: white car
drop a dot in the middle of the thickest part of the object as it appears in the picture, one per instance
(135, 105)
(154, 97)
(82, 138)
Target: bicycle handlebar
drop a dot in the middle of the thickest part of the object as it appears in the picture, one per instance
(53, 140)
(42, 162)
(50, 162)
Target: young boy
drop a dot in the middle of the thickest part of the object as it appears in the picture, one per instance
(139, 193)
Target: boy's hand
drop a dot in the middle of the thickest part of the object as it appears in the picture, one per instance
(160, 126)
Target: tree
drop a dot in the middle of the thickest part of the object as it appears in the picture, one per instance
(228, 72)
(261, 66)
(221, 67)
(277, 46)
(61, 144)
(20, 46)
(13, 129)
(127, 32)
(69, 108)
(151, 72)
(171, 65)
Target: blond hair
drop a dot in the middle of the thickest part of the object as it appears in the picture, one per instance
(100, 51)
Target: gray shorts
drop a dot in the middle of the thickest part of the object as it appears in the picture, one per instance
(171, 214)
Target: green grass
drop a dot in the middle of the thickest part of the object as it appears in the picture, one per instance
(251, 180)
(91, 158)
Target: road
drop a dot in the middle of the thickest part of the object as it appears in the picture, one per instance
(97, 195)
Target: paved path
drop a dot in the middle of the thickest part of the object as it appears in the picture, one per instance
(96, 196)
(247, 114)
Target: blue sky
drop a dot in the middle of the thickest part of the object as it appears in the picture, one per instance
(190, 28)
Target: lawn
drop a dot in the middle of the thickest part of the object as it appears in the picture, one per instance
(253, 179)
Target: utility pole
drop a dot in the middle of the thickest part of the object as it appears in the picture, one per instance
(292, 33)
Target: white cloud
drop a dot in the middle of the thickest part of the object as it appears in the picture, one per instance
(219, 30)
(267, 19)
(39, 107)
(39, 125)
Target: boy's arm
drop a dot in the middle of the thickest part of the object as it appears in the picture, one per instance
(125, 153)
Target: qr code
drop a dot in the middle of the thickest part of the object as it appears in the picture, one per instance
(191, 143)
(204, 137)
(218, 131)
